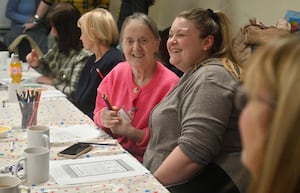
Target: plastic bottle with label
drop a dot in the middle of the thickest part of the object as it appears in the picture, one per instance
(15, 69)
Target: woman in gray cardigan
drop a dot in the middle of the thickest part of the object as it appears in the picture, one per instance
(195, 143)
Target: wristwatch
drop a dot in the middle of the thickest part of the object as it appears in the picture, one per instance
(35, 19)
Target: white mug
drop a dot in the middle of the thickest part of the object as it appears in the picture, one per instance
(12, 184)
(38, 136)
(36, 165)
(4, 58)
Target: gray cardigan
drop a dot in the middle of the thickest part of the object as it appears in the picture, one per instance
(199, 116)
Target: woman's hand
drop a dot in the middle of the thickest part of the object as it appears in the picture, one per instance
(119, 126)
(33, 59)
(28, 26)
(122, 128)
(44, 80)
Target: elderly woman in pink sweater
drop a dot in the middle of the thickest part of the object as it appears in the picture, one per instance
(134, 87)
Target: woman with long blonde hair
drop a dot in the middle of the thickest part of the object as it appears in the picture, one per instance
(270, 122)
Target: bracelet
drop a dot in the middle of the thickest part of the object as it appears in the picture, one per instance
(35, 19)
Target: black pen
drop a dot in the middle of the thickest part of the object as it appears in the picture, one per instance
(93, 143)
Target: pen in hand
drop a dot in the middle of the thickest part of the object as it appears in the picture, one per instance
(33, 55)
(107, 102)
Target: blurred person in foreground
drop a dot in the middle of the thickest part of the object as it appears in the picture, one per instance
(61, 66)
(135, 86)
(195, 142)
(99, 34)
(269, 123)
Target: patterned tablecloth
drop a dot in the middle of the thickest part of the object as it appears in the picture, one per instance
(59, 112)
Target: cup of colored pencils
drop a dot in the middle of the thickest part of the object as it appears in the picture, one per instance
(29, 103)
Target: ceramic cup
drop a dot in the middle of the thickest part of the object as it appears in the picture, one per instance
(38, 136)
(12, 184)
(3, 58)
(36, 165)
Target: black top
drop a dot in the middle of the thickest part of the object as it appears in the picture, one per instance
(86, 92)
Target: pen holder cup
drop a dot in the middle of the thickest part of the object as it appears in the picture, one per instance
(29, 111)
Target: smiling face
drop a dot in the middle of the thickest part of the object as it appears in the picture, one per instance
(184, 44)
(139, 44)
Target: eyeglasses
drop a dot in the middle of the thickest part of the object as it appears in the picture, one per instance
(241, 99)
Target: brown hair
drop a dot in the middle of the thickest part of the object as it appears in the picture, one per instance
(63, 17)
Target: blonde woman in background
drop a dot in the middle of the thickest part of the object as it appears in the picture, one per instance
(270, 123)
(99, 34)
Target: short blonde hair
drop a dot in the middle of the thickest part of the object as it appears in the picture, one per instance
(100, 26)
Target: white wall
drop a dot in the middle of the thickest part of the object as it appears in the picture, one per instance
(4, 22)
(164, 11)
(239, 11)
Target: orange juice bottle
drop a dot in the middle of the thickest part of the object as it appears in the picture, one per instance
(15, 69)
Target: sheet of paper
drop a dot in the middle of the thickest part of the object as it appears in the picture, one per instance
(74, 133)
(75, 171)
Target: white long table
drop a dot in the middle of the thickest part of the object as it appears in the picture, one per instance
(56, 112)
